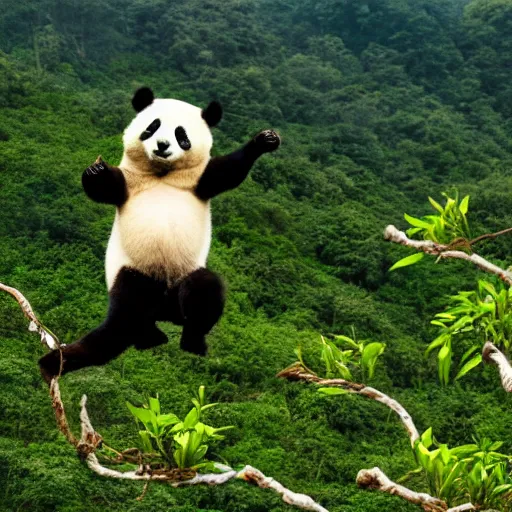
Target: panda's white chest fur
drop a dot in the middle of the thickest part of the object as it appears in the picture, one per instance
(162, 231)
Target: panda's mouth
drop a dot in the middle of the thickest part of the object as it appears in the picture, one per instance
(162, 153)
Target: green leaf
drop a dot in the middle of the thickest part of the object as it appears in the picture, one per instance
(332, 391)
(445, 361)
(209, 406)
(347, 340)
(199, 454)
(412, 231)
(417, 223)
(472, 363)
(464, 205)
(468, 353)
(343, 370)
(178, 457)
(176, 428)
(165, 420)
(371, 353)
(426, 438)
(154, 405)
(488, 287)
(409, 260)
(146, 441)
(440, 340)
(141, 414)
(436, 205)
(201, 394)
(190, 419)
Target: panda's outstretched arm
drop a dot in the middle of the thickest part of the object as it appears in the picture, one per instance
(104, 183)
(227, 172)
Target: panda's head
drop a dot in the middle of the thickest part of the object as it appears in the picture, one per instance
(169, 135)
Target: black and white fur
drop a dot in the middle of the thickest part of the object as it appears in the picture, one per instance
(157, 252)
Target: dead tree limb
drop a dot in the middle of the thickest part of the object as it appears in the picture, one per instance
(376, 479)
(492, 355)
(47, 337)
(298, 372)
(392, 234)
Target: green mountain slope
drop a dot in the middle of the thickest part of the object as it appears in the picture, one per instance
(379, 104)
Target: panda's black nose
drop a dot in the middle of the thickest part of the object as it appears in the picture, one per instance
(162, 145)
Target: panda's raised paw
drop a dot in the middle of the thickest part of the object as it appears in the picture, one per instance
(268, 140)
(98, 167)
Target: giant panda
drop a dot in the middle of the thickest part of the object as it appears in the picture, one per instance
(157, 252)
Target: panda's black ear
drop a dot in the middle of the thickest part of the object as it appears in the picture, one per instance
(142, 98)
(212, 114)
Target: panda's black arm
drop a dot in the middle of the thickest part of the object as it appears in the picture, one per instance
(104, 183)
(227, 172)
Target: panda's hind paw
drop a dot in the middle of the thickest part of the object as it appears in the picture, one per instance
(193, 342)
(268, 140)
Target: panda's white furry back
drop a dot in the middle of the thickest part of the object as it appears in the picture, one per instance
(162, 229)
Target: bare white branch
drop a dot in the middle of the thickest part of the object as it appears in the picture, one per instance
(298, 372)
(91, 439)
(492, 355)
(248, 474)
(464, 508)
(392, 234)
(376, 479)
(253, 475)
(49, 339)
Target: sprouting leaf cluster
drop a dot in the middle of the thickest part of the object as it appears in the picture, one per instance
(477, 316)
(343, 356)
(476, 473)
(183, 444)
(448, 226)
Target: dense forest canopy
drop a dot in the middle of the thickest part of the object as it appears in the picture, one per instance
(380, 103)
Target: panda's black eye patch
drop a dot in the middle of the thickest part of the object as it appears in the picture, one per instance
(181, 137)
(150, 130)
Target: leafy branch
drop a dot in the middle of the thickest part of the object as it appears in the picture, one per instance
(441, 251)
(468, 477)
(481, 315)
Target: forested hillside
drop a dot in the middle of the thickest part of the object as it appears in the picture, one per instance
(380, 103)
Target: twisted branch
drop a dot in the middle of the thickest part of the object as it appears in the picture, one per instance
(392, 234)
(492, 355)
(376, 479)
(298, 372)
(47, 337)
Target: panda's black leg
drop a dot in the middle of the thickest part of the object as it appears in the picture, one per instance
(134, 302)
(201, 300)
(96, 348)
